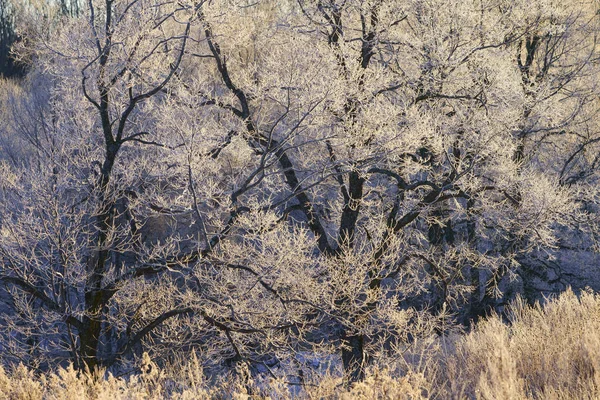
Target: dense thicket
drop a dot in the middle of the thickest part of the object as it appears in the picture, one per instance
(17, 21)
(283, 184)
(548, 352)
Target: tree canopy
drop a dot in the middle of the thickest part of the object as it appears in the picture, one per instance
(269, 182)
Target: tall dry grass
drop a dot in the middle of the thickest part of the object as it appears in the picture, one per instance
(550, 352)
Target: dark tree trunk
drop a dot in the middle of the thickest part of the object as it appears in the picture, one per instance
(353, 357)
(89, 341)
(351, 210)
(95, 299)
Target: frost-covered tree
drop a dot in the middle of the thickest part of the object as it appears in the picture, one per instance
(271, 181)
(22, 19)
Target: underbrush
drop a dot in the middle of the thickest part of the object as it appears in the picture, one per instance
(550, 352)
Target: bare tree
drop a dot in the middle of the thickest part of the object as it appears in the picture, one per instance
(272, 181)
(401, 143)
(114, 83)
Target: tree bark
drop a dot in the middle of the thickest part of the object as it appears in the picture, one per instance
(353, 357)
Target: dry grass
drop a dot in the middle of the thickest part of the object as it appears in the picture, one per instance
(550, 352)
